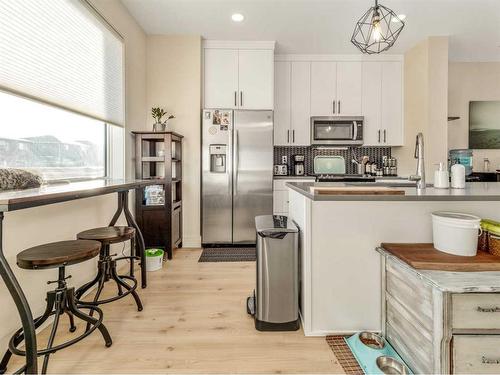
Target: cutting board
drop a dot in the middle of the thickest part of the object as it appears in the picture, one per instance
(356, 190)
(424, 256)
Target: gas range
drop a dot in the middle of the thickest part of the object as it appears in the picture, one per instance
(344, 178)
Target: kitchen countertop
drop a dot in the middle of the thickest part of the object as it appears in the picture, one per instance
(294, 177)
(454, 282)
(475, 191)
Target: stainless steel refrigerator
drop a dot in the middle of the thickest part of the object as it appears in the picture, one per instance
(237, 174)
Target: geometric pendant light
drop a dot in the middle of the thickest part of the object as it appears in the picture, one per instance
(377, 30)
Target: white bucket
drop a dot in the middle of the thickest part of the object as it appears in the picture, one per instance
(455, 233)
(154, 259)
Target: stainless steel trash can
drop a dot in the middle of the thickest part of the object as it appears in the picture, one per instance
(275, 302)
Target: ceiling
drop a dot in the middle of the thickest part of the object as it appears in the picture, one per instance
(325, 26)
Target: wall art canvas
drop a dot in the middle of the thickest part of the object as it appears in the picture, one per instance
(484, 125)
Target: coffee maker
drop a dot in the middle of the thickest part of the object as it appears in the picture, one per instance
(298, 165)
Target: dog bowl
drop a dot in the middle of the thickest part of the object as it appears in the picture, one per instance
(391, 366)
(372, 340)
(368, 348)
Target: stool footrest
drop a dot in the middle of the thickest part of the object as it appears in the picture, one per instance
(130, 289)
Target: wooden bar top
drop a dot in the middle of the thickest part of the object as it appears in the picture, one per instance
(12, 200)
(423, 256)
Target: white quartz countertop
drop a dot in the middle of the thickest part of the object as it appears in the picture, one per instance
(474, 191)
(454, 282)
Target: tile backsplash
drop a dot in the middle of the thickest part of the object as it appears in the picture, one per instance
(374, 153)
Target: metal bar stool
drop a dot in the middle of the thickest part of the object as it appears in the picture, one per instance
(61, 300)
(107, 265)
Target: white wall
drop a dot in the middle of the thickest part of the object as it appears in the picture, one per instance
(174, 83)
(426, 104)
(468, 82)
(31, 227)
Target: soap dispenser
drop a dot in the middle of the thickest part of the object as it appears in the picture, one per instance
(457, 176)
(441, 177)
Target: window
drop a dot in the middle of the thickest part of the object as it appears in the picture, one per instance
(61, 88)
(56, 143)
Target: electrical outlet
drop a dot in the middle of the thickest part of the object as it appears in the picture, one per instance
(284, 159)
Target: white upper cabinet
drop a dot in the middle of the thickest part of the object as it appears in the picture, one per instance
(382, 103)
(238, 77)
(221, 78)
(282, 80)
(256, 79)
(392, 103)
(292, 103)
(300, 114)
(371, 103)
(373, 89)
(323, 88)
(349, 88)
(335, 88)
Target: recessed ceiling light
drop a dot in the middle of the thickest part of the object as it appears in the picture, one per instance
(400, 17)
(237, 17)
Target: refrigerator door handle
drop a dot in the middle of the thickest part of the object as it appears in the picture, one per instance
(236, 165)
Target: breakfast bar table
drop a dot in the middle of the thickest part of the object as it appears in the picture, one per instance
(56, 193)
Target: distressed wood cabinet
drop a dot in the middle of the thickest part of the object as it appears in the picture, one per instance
(441, 322)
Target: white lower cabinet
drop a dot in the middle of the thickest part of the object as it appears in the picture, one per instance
(435, 324)
(280, 194)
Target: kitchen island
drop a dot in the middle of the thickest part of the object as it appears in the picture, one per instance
(340, 270)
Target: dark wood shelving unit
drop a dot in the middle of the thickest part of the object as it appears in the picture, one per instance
(158, 155)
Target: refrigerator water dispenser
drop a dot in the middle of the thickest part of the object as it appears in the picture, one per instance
(218, 158)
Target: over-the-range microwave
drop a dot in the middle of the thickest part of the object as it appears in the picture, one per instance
(337, 130)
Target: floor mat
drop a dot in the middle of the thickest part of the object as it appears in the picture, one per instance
(228, 254)
(344, 355)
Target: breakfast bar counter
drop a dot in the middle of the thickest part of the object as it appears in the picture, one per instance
(474, 191)
(56, 193)
(341, 272)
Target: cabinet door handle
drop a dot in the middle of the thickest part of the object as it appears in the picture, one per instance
(235, 98)
(293, 136)
(339, 108)
(489, 361)
(241, 98)
(333, 105)
(379, 136)
(385, 136)
(288, 136)
(495, 309)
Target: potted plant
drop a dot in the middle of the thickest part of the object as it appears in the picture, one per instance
(158, 114)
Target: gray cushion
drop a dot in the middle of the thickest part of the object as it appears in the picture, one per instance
(11, 179)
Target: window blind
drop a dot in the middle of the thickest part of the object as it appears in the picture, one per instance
(63, 53)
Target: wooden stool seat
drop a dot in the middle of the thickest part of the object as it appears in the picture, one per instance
(56, 254)
(108, 235)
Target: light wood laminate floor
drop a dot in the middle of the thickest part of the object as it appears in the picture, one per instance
(194, 321)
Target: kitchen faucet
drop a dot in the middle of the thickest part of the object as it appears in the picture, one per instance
(419, 177)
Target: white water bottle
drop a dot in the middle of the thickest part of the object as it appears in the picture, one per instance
(457, 176)
(441, 178)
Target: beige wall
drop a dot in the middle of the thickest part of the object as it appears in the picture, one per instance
(426, 104)
(26, 228)
(174, 83)
(471, 81)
